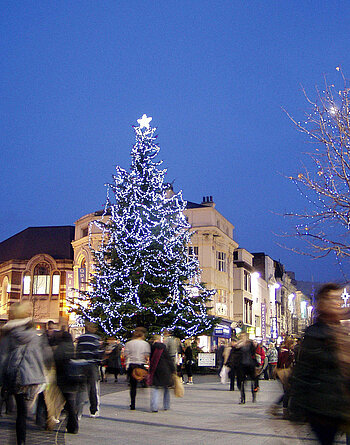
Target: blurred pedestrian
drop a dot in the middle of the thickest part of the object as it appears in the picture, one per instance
(22, 370)
(188, 354)
(283, 372)
(272, 356)
(113, 359)
(321, 378)
(89, 348)
(247, 365)
(161, 370)
(173, 345)
(220, 355)
(260, 362)
(63, 354)
(233, 362)
(136, 352)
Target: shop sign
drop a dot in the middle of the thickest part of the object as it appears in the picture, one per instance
(250, 330)
(263, 321)
(206, 359)
(274, 330)
(82, 278)
(70, 284)
(222, 330)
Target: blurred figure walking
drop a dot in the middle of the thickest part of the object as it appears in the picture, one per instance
(161, 370)
(283, 372)
(188, 361)
(247, 365)
(321, 377)
(63, 354)
(272, 356)
(21, 363)
(234, 363)
(89, 348)
(136, 352)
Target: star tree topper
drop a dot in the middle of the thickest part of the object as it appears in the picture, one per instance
(144, 121)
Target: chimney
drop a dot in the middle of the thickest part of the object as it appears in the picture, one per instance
(208, 201)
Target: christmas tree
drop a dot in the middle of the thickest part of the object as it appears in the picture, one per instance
(143, 275)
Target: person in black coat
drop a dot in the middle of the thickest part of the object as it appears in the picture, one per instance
(188, 361)
(320, 380)
(161, 372)
(246, 368)
(234, 362)
(63, 353)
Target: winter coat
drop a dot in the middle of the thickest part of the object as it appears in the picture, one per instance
(261, 352)
(63, 353)
(317, 386)
(188, 355)
(21, 356)
(248, 359)
(113, 358)
(165, 368)
(285, 358)
(272, 355)
(235, 358)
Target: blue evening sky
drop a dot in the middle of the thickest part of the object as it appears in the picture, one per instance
(76, 75)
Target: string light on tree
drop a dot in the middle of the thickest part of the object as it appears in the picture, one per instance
(325, 182)
(143, 274)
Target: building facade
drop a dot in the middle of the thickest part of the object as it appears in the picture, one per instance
(33, 266)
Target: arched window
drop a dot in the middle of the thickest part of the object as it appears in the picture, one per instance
(26, 283)
(4, 296)
(55, 283)
(41, 279)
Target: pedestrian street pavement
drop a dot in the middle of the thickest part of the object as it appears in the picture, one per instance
(208, 414)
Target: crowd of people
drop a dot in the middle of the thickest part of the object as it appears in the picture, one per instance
(50, 372)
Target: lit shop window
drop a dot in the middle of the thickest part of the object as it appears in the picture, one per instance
(56, 283)
(26, 284)
(41, 279)
(221, 261)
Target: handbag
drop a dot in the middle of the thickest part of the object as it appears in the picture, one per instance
(139, 374)
(179, 389)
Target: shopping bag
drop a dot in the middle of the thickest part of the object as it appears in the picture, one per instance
(179, 389)
(224, 374)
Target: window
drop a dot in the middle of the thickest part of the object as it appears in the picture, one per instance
(193, 252)
(56, 283)
(257, 321)
(221, 296)
(26, 284)
(41, 279)
(247, 282)
(235, 256)
(248, 311)
(221, 261)
(85, 232)
(4, 295)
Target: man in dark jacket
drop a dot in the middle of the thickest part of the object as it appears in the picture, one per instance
(320, 379)
(89, 348)
(233, 362)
